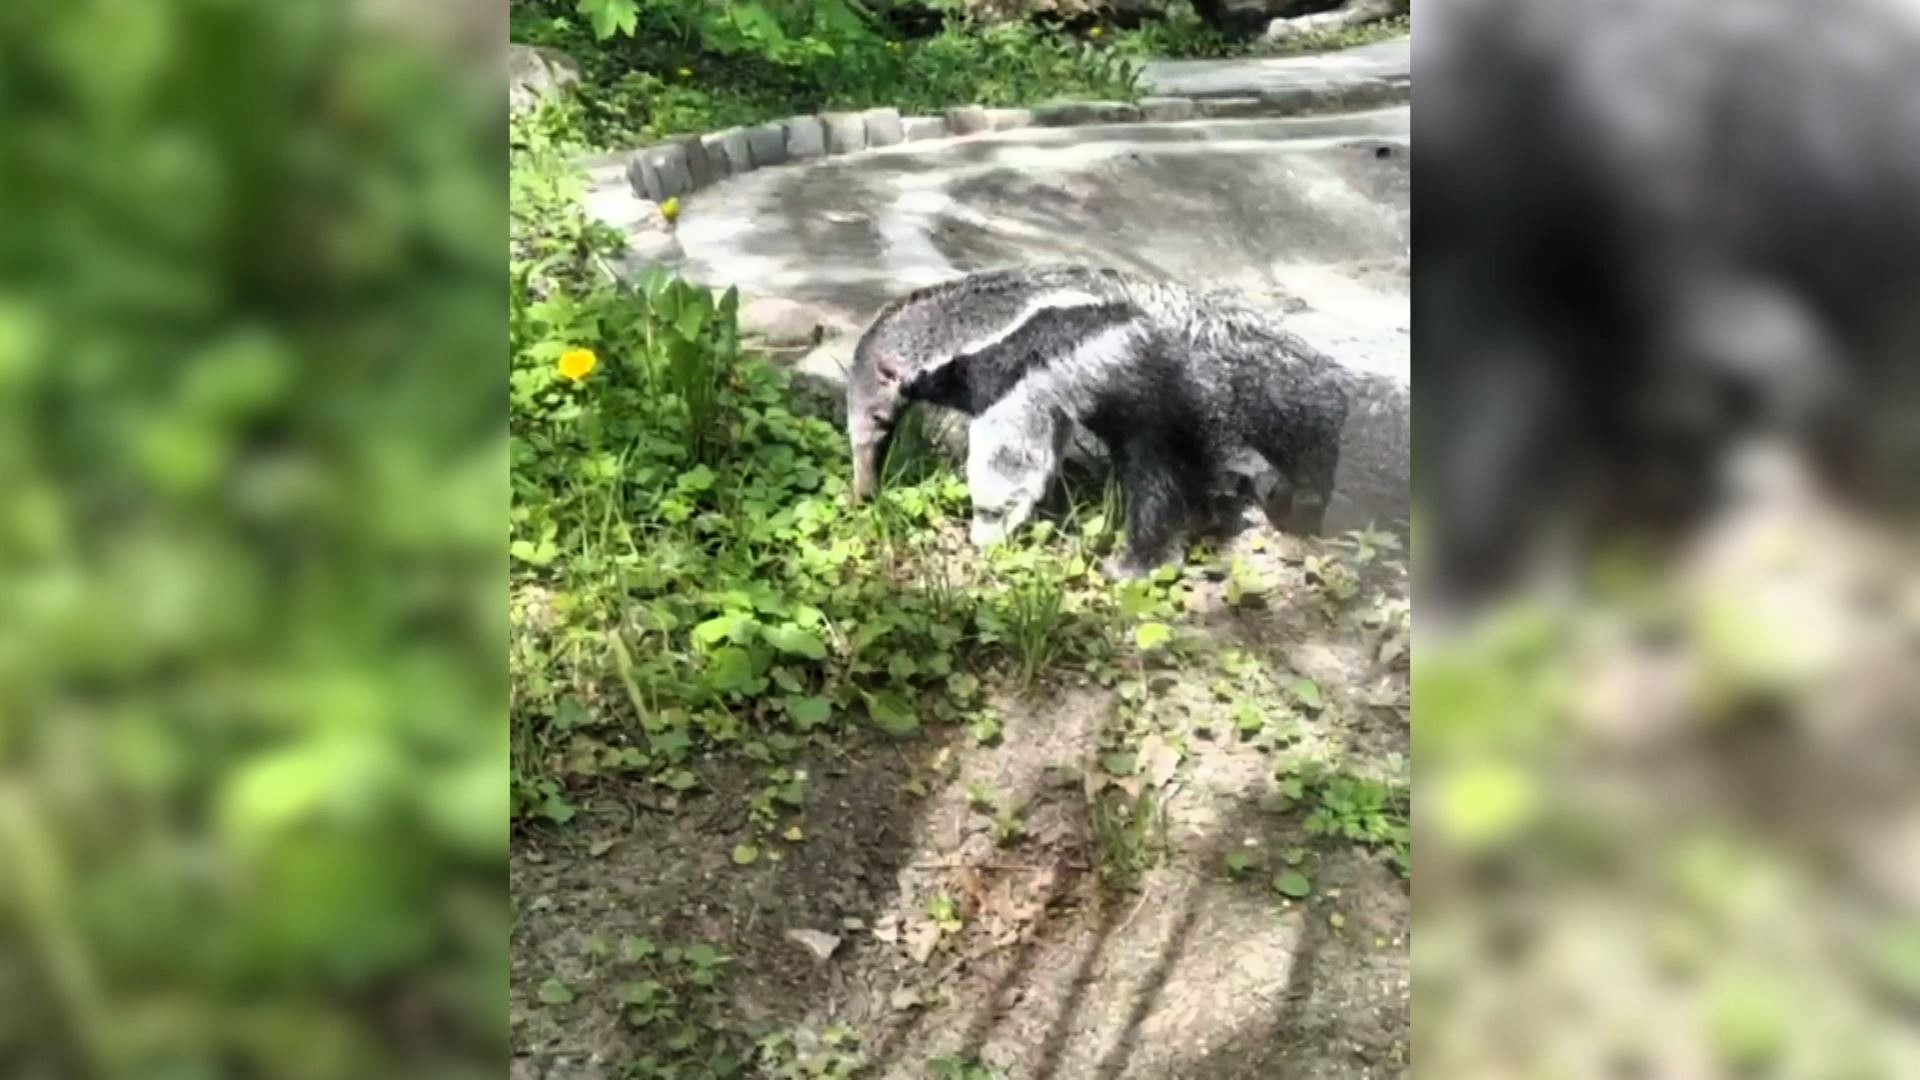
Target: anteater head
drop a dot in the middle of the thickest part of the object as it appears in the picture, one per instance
(877, 397)
(962, 344)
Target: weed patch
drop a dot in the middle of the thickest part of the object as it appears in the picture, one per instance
(689, 576)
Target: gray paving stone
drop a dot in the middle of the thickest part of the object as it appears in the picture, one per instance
(806, 137)
(1076, 113)
(699, 169)
(767, 145)
(1009, 119)
(884, 127)
(643, 177)
(968, 120)
(718, 159)
(1227, 108)
(846, 132)
(919, 128)
(1159, 109)
(665, 171)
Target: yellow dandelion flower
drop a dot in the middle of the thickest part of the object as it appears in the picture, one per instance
(1095, 32)
(671, 208)
(686, 73)
(577, 364)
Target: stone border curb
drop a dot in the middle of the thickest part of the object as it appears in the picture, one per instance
(684, 164)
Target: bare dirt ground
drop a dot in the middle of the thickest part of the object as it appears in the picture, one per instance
(950, 909)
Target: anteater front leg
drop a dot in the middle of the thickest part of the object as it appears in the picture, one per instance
(1013, 451)
(1157, 492)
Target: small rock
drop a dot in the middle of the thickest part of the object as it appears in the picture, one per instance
(846, 132)
(1008, 119)
(820, 943)
(904, 998)
(536, 73)
(884, 127)
(919, 128)
(767, 145)
(968, 120)
(806, 137)
(782, 323)
(1160, 109)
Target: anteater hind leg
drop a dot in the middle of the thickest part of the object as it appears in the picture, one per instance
(1296, 500)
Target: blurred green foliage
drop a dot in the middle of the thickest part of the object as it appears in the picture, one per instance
(252, 799)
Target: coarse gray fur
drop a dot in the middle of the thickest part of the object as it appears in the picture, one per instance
(1182, 387)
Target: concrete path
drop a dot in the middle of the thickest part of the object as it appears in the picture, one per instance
(1390, 60)
(1309, 211)
(1309, 214)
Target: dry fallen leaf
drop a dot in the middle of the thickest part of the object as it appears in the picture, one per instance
(818, 942)
(1158, 759)
(922, 939)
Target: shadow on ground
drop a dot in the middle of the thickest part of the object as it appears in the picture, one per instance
(1185, 962)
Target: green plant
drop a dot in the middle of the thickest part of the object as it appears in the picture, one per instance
(1347, 38)
(1179, 33)
(1130, 834)
(249, 432)
(1031, 620)
(799, 1054)
(1361, 809)
(962, 1068)
(651, 68)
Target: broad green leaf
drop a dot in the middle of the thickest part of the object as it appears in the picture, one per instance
(722, 627)
(1292, 883)
(729, 668)
(1307, 692)
(555, 992)
(808, 712)
(789, 638)
(1151, 635)
(892, 715)
(609, 17)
